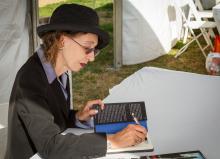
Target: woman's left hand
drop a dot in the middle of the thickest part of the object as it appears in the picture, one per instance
(86, 113)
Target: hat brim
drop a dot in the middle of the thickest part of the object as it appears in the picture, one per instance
(102, 35)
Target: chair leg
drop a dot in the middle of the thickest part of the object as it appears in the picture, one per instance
(206, 36)
(195, 38)
(197, 41)
(212, 34)
(186, 32)
(183, 48)
(210, 41)
(200, 46)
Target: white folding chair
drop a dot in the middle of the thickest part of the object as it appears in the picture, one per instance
(201, 13)
(195, 24)
(205, 14)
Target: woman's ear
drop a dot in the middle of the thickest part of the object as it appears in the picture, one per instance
(61, 41)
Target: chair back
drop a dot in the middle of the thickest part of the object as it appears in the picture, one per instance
(189, 11)
(199, 5)
(194, 11)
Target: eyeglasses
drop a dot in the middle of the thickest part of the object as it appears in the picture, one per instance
(88, 50)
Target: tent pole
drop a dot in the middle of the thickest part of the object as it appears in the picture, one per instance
(117, 32)
(33, 17)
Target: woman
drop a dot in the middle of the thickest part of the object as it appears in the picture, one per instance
(40, 100)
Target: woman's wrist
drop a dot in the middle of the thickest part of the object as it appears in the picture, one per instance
(77, 116)
(110, 142)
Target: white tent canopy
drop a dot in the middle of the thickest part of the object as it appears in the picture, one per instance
(150, 29)
(17, 18)
(14, 43)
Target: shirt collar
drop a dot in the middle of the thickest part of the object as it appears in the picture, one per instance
(48, 68)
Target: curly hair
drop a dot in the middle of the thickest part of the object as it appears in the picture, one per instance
(51, 46)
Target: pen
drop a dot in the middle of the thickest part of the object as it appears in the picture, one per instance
(135, 119)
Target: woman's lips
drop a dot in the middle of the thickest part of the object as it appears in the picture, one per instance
(82, 64)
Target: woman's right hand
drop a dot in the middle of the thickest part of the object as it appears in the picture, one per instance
(131, 135)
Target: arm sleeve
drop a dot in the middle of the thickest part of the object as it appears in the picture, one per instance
(45, 133)
(85, 125)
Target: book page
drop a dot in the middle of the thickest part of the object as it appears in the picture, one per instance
(120, 112)
(144, 146)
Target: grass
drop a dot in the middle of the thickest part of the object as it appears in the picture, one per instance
(98, 77)
(47, 10)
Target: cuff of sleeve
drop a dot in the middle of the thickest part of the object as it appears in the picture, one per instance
(85, 125)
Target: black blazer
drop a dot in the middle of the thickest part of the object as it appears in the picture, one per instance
(38, 113)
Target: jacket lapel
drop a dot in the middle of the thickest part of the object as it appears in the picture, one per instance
(57, 90)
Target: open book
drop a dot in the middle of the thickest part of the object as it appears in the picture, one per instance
(116, 116)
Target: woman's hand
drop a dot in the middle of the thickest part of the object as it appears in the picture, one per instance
(86, 113)
(131, 135)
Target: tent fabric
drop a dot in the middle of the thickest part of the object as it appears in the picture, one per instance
(150, 29)
(14, 43)
(182, 108)
(3, 128)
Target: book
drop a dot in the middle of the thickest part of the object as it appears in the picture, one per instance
(116, 116)
(183, 155)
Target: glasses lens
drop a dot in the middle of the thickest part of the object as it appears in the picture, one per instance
(96, 51)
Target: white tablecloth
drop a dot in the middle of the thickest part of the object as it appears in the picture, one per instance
(183, 108)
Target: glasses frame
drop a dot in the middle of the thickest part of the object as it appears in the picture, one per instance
(87, 50)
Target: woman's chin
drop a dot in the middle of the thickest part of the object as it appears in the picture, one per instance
(76, 69)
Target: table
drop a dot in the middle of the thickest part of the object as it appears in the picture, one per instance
(182, 108)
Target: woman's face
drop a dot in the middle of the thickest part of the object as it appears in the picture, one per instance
(75, 50)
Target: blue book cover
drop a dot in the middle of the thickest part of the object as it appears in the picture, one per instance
(117, 116)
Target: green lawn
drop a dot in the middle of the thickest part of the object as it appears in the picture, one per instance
(48, 9)
(98, 77)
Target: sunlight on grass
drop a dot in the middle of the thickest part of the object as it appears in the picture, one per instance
(173, 52)
(47, 10)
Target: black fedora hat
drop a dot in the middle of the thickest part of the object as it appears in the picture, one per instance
(75, 18)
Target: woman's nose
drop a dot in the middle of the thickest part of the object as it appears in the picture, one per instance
(91, 56)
